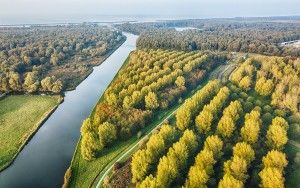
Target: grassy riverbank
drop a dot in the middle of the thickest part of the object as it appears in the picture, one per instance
(20, 118)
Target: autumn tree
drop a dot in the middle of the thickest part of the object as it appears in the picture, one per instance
(151, 101)
(87, 126)
(236, 167)
(205, 160)
(180, 81)
(229, 181)
(191, 106)
(245, 83)
(57, 86)
(231, 114)
(145, 159)
(46, 84)
(271, 177)
(275, 159)
(215, 144)
(250, 131)
(171, 165)
(201, 171)
(149, 182)
(107, 133)
(197, 178)
(31, 83)
(204, 119)
(264, 86)
(276, 136)
(89, 145)
(14, 81)
(244, 151)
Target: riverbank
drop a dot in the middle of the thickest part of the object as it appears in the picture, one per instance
(21, 117)
(44, 117)
(77, 153)
(52, 147)
(94, 63)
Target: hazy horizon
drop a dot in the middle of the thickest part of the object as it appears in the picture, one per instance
(46, 11)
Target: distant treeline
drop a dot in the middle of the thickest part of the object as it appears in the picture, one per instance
(261, 36)
(41, 58)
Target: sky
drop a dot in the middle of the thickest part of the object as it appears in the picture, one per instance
(25, 11)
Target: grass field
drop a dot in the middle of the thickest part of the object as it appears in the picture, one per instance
(20, 117)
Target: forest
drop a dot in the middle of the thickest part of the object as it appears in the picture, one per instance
(151, 82)
(261, 36)
(228, 134)
(52, 58)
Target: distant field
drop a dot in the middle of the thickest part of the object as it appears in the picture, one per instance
(20, 116)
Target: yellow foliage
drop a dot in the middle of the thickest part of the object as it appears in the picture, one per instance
(229, 181)
(275, 159)
(271, 178)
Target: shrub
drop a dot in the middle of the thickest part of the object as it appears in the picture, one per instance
(267, 118)
(248, 106)
(280, 113)
(251, 99)
(258, 103)
(267, 108)
(244, 95)
(294, 131)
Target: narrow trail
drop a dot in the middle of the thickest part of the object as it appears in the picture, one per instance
(120, 158)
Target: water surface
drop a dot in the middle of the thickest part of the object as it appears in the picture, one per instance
(44, 160)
